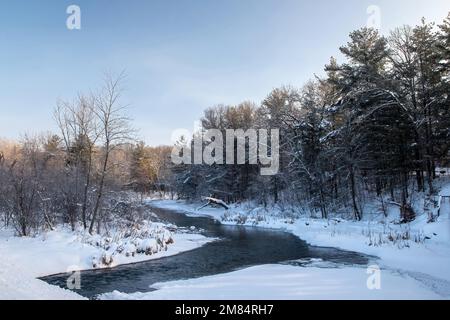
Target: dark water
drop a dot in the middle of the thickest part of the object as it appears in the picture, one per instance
(237, 248)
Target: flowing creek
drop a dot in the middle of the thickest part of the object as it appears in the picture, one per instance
(238, 247)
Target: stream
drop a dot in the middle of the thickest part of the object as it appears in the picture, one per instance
(238, 247)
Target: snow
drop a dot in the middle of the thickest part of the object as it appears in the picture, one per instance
(445, 191)
(190, 209)
(414, 258)
(16, 283)
(284, 282)
(61, 250)
(215, 201)
(15, 287)
(418, 250)
(27, 258)
(369, 237)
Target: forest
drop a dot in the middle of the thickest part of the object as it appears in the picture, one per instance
(375, 126)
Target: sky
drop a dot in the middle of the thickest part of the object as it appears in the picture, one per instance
(180, 56)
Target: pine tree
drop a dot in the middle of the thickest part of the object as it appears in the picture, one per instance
(424, 42)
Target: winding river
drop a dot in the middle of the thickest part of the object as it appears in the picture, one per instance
(238, 247)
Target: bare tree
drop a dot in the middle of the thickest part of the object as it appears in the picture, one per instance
(80, 131)
(115, 129)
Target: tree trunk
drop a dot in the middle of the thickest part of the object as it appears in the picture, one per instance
(275, 189)
(353, 192)
(100, 191)
(86, 190)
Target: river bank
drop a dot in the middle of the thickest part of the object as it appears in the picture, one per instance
(24, 259)
(418, 249)
(285, 282)
(315, 278)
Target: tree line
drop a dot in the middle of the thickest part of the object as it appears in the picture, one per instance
(81, 175)
(377, 124)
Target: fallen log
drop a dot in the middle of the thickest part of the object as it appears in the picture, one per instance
(214, 201)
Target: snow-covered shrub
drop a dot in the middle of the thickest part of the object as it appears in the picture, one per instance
(107, 258)
(130, 250)
(148, 246)
(146, 238)
(400, 237)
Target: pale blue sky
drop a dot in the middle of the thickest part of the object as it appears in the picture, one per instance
(181, 56)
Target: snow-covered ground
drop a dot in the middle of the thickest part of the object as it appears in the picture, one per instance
(62, 251)
(283, 282)
(16, 283)
(414, 258)
(427, 250)
(415, 252)
(27, 258)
